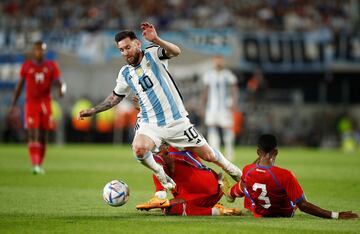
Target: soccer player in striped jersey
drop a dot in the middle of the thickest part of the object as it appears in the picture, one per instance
(163, 116)
(220, 98)
(271, 191)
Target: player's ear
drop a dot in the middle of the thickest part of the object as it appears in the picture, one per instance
(275, 152)
(258, 151)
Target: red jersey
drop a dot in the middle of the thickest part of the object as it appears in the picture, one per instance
(194, 181)
(39, 78)
(272, 191)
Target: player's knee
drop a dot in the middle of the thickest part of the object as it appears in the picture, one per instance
(206, 153)
(139, 149)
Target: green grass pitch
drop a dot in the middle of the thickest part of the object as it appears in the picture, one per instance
(68, 199)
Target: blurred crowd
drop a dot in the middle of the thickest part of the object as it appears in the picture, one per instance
(246, 15)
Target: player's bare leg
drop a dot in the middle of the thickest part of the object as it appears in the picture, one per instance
(213, 155)
(142, 146)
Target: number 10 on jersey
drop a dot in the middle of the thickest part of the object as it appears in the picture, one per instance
(145, 83)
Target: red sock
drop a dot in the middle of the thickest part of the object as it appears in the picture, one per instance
(34, 153)
(236, 191)
(42, 151)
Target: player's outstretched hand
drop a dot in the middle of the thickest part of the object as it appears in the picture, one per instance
(149, 32)
(86, 113)
(347, 215)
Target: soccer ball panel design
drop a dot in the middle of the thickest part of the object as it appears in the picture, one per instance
(116, 193)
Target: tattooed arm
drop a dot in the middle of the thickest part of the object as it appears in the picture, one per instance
(109, 102)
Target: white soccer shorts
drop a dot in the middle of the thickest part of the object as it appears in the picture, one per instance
(180, 133)
(222, 119)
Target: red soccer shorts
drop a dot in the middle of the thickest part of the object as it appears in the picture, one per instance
(38, 115)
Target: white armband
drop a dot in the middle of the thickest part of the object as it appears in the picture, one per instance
(334, 215)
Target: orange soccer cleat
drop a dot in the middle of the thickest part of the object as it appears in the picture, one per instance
(227, 211)
(154, 203)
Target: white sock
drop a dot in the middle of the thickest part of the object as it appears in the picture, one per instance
(161, 194)
(220, 159)
(226, 165)
(215, 211)
(149, 161)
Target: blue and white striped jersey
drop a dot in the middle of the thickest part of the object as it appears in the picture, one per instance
(219, 94)
(159, 99)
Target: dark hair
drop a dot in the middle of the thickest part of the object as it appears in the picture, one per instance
(124, 34)
(267, 143)
(40, 44)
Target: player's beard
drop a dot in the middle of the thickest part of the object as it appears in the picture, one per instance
(133, 61)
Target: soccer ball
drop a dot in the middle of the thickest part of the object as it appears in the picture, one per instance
(116, 193)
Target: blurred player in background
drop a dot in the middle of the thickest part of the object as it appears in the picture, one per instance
(220, 99)
(39, 75)
(163, 115)
(197, 188)
(271, 191)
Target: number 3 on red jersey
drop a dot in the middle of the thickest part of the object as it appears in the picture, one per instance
(262, 195)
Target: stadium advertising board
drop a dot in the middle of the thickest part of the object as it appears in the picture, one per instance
(272, 51)
(298, 52)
